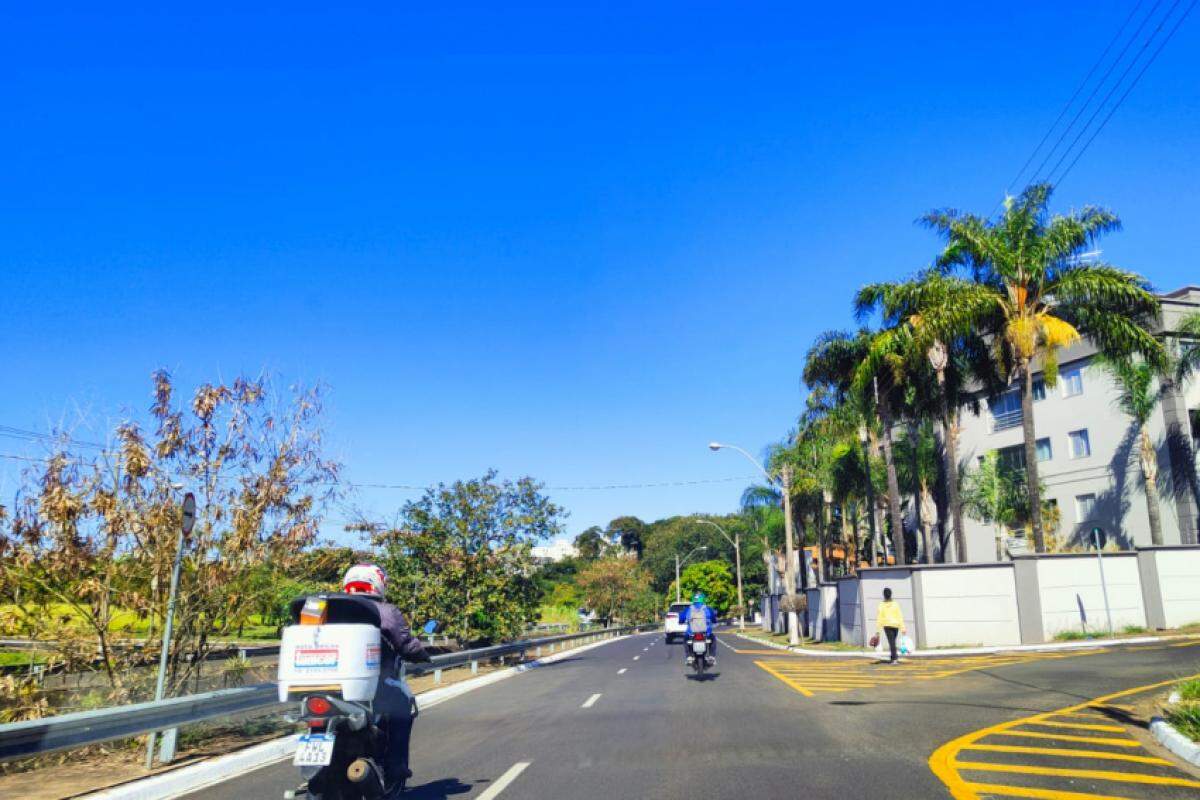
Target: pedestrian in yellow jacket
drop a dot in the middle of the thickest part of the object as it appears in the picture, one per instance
(889, 620)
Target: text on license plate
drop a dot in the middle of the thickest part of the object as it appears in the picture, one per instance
(315, 750)
(699, 647)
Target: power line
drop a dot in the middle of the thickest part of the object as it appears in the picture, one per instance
(1078, 89)
(1097, 87)
(408, 487)
(46, 438)
(1121, 100)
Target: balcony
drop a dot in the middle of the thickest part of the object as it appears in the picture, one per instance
(1003, 420)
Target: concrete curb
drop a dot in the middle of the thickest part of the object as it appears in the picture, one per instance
(186, 779)
(1170, 737)
(974, 651)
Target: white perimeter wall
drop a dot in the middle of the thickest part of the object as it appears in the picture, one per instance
(1179, 582)
(1063, 582)
(899, 581)
(970, 606)
(848, 611)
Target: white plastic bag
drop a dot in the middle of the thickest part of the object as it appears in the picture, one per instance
(905, 645)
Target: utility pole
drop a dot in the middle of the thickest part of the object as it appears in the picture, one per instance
(736, 541)
(789, 569)
(864, 438)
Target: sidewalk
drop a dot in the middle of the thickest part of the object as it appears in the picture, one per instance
(847, 651)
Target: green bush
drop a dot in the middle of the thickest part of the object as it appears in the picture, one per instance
(1071, 636)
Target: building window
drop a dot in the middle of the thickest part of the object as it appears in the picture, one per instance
(1039, 389)
(1085, 507)
(1072, 381)
(1044, 451)
(1011, 457)
(1081, 446)
(1005, 410)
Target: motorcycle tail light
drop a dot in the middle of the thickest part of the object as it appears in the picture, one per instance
(318, 705)
(699, 637)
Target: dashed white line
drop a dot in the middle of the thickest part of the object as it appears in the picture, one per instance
(621, 671)
(503, 781)
(591, 701)
(635, 658)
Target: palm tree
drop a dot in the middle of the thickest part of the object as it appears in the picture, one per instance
(853, 365)
(1137, 397)
(1030, 287)
(954, 360)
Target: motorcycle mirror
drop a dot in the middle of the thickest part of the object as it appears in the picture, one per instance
(431, 627)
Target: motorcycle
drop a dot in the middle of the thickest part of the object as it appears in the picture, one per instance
(329, 664)
(699, 652)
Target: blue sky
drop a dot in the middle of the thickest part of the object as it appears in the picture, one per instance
(571, 242)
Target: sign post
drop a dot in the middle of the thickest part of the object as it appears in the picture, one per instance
(1099, 538)
(187, 522)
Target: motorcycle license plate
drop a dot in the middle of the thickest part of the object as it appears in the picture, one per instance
(315, 750)
(699, 647)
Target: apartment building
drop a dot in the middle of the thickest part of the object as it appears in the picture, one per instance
(1087, 450)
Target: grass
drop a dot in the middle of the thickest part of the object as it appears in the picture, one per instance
(127, 623)
(559, 615)
(1185, 717)
(20, 658)
(1189, 690)
(1128, 630)
(782, 638)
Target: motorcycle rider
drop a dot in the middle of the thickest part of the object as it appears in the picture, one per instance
(704, 618)
(393, 700)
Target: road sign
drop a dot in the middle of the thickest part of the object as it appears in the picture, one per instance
(189, 513)
(1099, 537)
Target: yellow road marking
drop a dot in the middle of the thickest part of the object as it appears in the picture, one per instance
(1098, 774)
(1037, 794)
(943, 761)
(1111, 705)
(1066, 753)
(1066, 737)
(786, 680)
(1083, 726)
(1185, 644)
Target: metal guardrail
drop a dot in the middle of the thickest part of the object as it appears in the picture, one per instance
(65, 731)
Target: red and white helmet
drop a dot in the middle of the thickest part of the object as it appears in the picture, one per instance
(365, 579)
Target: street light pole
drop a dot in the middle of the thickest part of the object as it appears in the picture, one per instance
(679, 564)
(863, 439)
(188, 519)
(784, 482)
(736, 541)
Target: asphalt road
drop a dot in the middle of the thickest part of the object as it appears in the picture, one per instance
(767, 725)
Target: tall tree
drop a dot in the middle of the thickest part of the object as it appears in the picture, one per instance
(956, 359)
(844, 364)
(1031, 287)
(592, 543)
(461, 554)
(628, 531)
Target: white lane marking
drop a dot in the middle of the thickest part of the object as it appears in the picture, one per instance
(591, 701)
(621, 671)
(503, 781)
(635, 658)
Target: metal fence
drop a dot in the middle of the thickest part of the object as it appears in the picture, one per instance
(34, 737)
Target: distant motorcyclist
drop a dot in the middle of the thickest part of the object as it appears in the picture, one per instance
(699, 618)
(393, 700)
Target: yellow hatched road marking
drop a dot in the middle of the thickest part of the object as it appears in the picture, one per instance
(1037, 794)
(1098, 774)
(1067, 753)
(786, 680)
(1082, 726)
(1066, 737)
(945, 765)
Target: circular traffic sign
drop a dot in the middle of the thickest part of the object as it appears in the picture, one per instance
(189, 513)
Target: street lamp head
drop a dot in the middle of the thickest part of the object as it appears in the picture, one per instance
(714, 446)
